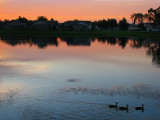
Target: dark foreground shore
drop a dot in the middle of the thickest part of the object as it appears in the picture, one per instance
(136, 34)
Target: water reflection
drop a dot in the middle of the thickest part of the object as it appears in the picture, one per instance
(8, 70)
(77, 41)
(121, 41)
(138, 91)
(7, 96)
(41, 42)
(154, 51)
(152, 46)
(99, 70)
(73, 80)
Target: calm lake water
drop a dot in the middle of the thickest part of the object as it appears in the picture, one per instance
(76, 78)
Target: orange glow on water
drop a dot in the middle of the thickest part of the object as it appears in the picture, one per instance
(96, 49)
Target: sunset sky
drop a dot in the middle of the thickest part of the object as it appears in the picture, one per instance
(63, 10)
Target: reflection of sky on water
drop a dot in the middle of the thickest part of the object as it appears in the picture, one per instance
(44, 83)
(137, 91)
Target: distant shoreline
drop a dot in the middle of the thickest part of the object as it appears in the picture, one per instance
(90, 33)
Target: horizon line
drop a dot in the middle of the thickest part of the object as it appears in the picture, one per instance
(80, 18)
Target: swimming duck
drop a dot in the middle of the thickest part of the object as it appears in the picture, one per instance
(113, 106)
(124, 108)
(140, 108)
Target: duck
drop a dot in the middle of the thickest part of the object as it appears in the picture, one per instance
(113, 106)
(140, 108)
(124, 108)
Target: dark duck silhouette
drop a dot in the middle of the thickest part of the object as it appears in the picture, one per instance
(113, 106)
(140, 108)
(124, 108)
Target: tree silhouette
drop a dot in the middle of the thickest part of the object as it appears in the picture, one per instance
(22, 19)
(123, 25)
(103, 24)
(154, 15)
(112, 23)
(54, 21)
(42, 18)
(137, 17)
(148, 18)
(76, 20)
(106, 24)
(134, 17)
(141, 26)
(0, 24)
(94, 25)
(140, 17)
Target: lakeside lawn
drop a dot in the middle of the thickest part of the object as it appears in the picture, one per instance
(135, 34)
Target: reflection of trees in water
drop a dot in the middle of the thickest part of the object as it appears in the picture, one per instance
(121, 41)
(140, 90)
(42, 42)
(77, 41)
(137, 43)
(14, 40)
(154, 51)
(109, 40)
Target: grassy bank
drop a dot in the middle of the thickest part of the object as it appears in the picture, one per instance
(136, 34)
